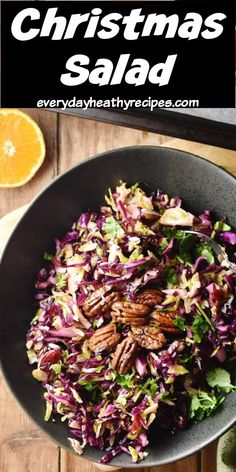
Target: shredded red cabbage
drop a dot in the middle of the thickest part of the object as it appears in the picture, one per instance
(135, 242)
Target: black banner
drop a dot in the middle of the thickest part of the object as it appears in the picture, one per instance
(165, 51)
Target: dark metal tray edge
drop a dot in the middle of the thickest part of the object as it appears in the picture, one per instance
(164, 122)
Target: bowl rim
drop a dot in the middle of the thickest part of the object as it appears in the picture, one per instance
(104, 154)
(85, 456)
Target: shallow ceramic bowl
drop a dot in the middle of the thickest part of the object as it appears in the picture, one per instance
(201, 184)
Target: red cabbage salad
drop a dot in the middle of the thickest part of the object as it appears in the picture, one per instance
(135, 325)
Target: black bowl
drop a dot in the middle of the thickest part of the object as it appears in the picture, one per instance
(201, 184)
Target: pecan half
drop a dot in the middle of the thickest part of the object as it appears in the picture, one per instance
(148, 336)
(164, 321)
(124, 355)
(104, 339)
(149, 297)
(130, 313)
(99, 301)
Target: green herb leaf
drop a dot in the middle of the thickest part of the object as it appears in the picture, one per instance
(126, 381)
(203, 404)
(164, 395)
(171, 276)
(179, 321)
(205, 250)
(220, 378)
(188, 358)
(61, 280)
(112, 228)
(47, 256)
(89, 385)
(203, 313)
(185, 248)
(174, 233)
(199, 328)
(150, 387)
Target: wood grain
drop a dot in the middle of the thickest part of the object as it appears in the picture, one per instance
(190, 464)
(23, 448)
(208, 458)
(13, 198)
(70, 462)
(81, 139)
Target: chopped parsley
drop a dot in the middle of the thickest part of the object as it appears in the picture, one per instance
(185, 248)
(220, 379)
(171, 276)
(150, 387)
(199, 328)
(203, 313)
(174, 233)
(126, 381)
(89, 385)
(203, 404)
(179, 321)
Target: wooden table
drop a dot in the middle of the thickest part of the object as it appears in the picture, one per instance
(23, 447)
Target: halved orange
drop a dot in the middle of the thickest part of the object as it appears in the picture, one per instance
(22, 147)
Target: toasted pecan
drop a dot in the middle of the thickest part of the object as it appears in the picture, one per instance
(149, 297)
(148, 336)
(165, 321)
(124, 355)
(130, 313)
(104, 339)
(99, 301)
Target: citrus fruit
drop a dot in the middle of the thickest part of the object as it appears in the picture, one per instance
(22, 147)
